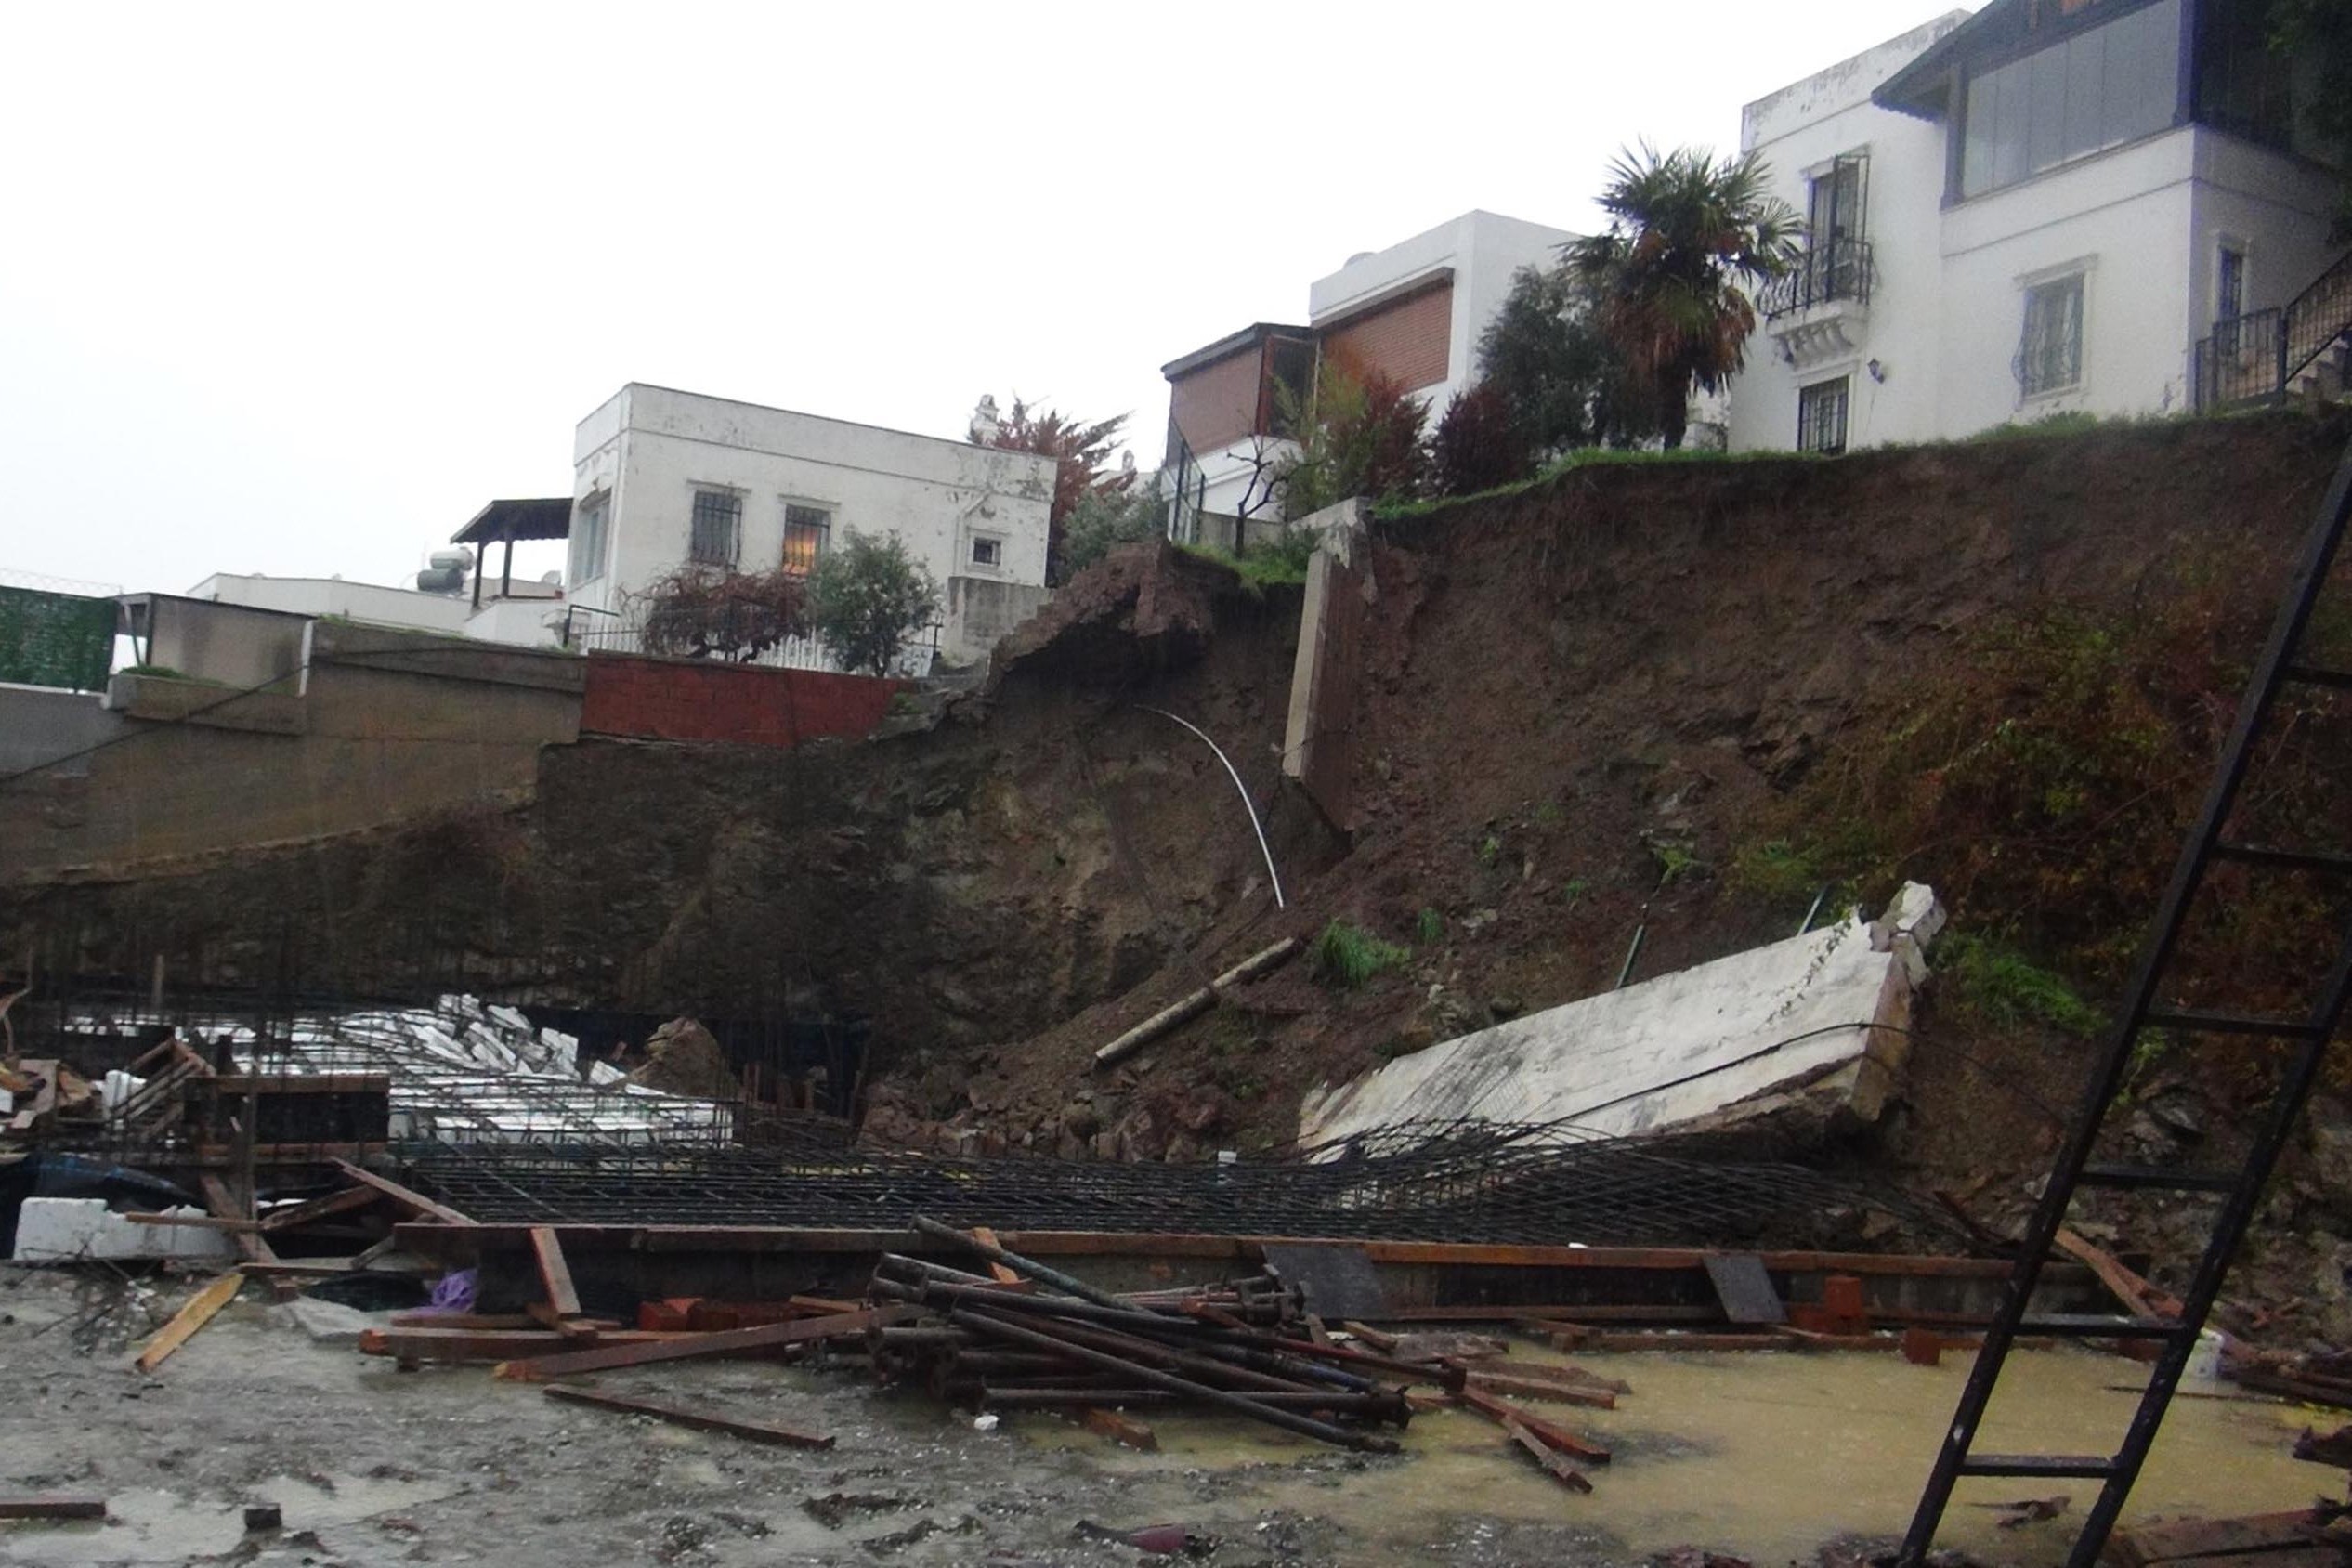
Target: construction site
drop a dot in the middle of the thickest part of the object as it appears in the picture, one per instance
(1703, 1013)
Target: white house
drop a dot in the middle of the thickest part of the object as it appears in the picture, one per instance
(1414, 311)
(2048, 207)
(663, 479)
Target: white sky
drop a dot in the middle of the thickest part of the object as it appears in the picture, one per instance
(295, 289)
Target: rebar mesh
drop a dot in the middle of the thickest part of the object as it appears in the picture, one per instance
(1467, 1182)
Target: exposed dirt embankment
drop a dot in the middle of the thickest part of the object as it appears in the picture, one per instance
(1579, 703)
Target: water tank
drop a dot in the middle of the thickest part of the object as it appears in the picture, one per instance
(451, 560)
(441, 580)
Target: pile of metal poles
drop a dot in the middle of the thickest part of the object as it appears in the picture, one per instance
(1028, 1336)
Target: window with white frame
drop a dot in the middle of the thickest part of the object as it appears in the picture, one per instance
(717, 528)
(2230, 295)
(1821, 415)
(807, 532)
(584, 560)
(2051, 354)
(986, 551)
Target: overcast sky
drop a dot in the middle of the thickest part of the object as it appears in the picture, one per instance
(294, 289)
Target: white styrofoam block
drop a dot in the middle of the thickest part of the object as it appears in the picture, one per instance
(66, 1230)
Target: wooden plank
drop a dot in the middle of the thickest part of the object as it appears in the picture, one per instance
(423, 1318)
(997, 1271)
(1558, 1464)
(1384, 1343)
(1611, 1311)
(555, 1275)
(194, 1222)
(1536, 1388)
(492, 1344)
(2192, 1538)
(1553, 1434)
(1744, 1288)
(1625, 1341)
(54, 1504)
(416, 1203)
(199, 1310)
(698, 1420)
(291, 1215)
(735, 1341)
(2139, 1297)
(1120, 1427)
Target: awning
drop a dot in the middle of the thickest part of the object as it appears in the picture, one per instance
(549, 517)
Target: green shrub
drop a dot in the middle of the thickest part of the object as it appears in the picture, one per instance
(1776, 869)
(868, 598)
(2001, 985)
(1103, 520)
(1429, 926)
(1346, 956)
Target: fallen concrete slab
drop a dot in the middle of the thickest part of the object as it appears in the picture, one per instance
(70, 1230)
(1821, 1018)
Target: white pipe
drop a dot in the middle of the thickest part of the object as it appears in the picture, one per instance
(1239, 789)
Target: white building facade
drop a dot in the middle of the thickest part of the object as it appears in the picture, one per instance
(521, 612)
(1414, 311)
(665, 480)
(2048, 207)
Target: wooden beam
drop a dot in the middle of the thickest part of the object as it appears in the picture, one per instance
(53, 1506)
(1534, 1388)
(1557, 1464)
(316, 1208)
(1120, 1427)
(997, 1271)
(415, 1202)
(197, 1221)
(199, 1310)
(699, 1420)
(496, 1344)
(555, 1275)
(250, 1248)
(2139, 1297)
(1554, 1435)
(732, 1341)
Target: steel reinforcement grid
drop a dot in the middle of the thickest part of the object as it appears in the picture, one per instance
(1465, 1181)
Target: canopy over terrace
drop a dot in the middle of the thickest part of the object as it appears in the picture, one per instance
(503, 522)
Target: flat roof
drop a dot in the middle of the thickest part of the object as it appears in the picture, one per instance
(1230, 344)
(543, 518)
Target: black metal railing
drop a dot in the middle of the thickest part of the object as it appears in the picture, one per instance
(2259, 355)
(590, 631)
(1838, 270)
(1188, 492)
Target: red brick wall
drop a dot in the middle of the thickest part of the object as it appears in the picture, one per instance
(1219, 404)
(694, 699)
(1409, 338)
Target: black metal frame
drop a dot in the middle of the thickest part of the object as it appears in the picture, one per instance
(2257, 356)
(1836, 270)
(2143, 1011)
(714, 509)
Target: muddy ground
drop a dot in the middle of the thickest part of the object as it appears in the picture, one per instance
(1778, 1458)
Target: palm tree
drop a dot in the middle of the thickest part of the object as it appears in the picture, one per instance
(1685, 232)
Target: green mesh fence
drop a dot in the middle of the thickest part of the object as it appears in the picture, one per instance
(56, 639)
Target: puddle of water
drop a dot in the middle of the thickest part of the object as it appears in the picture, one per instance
(162, 1527)
(1765, 1454)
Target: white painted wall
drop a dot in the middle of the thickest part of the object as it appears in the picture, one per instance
(1483, 249)
(2143, 221)
(1800, 130)
(531, 622)
(652, 448)
(331, 596)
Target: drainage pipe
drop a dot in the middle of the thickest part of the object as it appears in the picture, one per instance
(1239, 789)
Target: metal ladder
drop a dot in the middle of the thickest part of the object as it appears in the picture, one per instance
(2144, 1009)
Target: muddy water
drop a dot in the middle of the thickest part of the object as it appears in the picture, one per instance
(1770, 1456)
